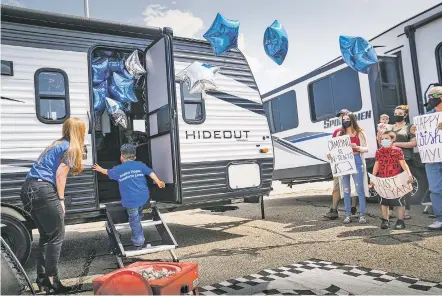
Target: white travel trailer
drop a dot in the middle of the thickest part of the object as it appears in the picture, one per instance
(302, 113)
(211, 150)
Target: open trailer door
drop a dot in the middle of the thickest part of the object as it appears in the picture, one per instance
(161, 123)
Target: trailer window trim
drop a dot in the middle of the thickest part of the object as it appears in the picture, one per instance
(192, 101)
(313, 114)
(48, 96)
(438, 53)
(270, 113)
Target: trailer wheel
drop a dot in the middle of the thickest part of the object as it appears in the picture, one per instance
(17, 236)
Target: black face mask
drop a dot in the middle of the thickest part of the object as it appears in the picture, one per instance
(432, 103)
(346, 124)
(399, 118)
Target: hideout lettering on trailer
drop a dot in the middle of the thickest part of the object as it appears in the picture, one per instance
(217, 135)
(336, 122)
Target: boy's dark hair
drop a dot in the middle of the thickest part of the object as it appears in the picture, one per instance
(391, 134)
(129, 151)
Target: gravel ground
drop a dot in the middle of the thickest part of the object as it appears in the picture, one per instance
(237, 243)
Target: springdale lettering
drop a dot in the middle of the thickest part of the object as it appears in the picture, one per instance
(336, 122)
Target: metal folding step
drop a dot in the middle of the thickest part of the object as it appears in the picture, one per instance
(117, 214)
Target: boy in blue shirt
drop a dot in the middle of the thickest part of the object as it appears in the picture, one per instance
(134, 192)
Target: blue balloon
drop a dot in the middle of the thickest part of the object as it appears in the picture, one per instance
(100, 93)
(276, 43)
(223, 34)
(117, 65)
(100, 70)
(358, 53)
(122, 89)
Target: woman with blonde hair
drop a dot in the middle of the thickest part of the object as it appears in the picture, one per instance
(42, 196)
(358, 140)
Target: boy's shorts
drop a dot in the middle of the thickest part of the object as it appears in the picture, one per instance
(395, 202)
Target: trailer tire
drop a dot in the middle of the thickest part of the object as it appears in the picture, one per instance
(17, 236)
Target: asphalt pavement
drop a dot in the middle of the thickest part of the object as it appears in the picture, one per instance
(236, 243)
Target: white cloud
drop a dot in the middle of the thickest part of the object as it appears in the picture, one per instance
(183, 23)
(13, 2)
(173, 2)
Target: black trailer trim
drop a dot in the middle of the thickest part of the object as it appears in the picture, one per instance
(76, 23)
(410, 33)
(305, 77)
(439, 61)
(65, 96)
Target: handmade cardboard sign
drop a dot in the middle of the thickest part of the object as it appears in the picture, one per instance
(342, 160)
(392, 187)
(429, 137)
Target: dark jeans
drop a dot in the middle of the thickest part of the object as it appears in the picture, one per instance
(41, 200)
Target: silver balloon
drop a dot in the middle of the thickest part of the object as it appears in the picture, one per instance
(116, 114)
(199, 77)
(133, 65)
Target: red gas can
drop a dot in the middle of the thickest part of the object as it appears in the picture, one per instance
(130, 280)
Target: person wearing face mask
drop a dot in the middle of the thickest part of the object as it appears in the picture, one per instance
(389, 162)
(358, 140)
(434, 170)
(332, 214)
(406, 140)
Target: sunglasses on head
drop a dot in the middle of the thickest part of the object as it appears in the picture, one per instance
(434, 96)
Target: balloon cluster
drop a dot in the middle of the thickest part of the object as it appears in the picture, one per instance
(357, 52)
(114, 76)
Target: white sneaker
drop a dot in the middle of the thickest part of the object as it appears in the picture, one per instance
(347, 220)
(435, 226)
(362, 220)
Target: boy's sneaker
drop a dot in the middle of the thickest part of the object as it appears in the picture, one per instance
(332, 214)
(399, 224)
(362, 220)
(354, 211)
(435, 226)
(145, 246)
(347, 220)
(385, 224)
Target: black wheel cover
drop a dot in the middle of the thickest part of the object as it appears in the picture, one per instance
(17, 237)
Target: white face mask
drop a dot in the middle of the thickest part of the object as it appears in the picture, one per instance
(385, 143)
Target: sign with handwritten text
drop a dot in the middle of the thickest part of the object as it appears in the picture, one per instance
(392, 187)
(341, 156)
(429, 137)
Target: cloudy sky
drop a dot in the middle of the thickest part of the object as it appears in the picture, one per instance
(313, 26)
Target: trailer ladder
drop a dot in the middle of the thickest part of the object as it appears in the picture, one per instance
(117, 220)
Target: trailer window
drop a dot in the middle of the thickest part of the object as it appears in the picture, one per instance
(193, 106)
(328, 95)
(282, 112)
(51, 95)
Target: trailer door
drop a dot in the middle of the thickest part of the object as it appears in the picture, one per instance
(161, 123)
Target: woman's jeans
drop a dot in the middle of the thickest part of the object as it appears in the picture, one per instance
(434, 175)
(358, 178)
(135, 216)
(40, 199)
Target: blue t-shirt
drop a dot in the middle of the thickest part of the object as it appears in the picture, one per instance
(45, 168)
(132, 182)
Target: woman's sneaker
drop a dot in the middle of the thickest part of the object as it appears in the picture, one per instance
(362, 220)
(347, 220)
(385, 224)
(435, 226)
(400, 224)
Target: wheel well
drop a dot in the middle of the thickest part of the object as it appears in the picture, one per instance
(19, 214)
